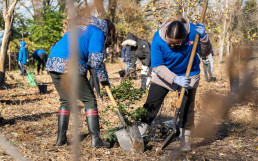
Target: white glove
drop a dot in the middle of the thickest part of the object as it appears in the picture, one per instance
(144, 70)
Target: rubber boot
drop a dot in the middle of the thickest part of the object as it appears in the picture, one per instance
(93, 126)
(144, 81)
(63, 120)
(185, 140)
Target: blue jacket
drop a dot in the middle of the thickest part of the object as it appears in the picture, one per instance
(91, 40)
(175, 59)
(1, 37)
(126, 54)
(38, 52)
(23, 53)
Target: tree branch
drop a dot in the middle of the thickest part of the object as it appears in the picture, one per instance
(12, 6)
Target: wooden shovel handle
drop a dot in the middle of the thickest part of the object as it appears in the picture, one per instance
(121, 118)
(111, 96)
(189, 67)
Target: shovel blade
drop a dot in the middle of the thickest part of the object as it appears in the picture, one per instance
(130, 139)
(123, 139)
(137, 144)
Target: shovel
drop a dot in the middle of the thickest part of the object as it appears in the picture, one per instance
(181, 103)
(129, 137)
(10, 76)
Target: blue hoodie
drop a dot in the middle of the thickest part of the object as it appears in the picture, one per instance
(90, 39)
(23, 53)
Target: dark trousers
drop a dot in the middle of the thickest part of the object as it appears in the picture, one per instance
(94, 82)
(42, 59)
(207, 69)
(85, 94)
(155, 98)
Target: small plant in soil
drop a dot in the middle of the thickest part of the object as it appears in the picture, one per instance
(125, 95)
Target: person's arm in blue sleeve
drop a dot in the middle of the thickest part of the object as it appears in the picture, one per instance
(96, 56)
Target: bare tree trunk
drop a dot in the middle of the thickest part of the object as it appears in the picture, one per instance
(8, 20)
(99, 4)
(112, 10)
(223, 35)
(228, 45)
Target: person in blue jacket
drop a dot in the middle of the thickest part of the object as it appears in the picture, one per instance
(23, 55)
(170, 53)
(91, 40)
(41, 57)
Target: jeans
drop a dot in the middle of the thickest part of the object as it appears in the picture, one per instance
(127, 67)
(22, 68)
(207, 69)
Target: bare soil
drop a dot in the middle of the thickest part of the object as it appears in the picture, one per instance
(31, 123)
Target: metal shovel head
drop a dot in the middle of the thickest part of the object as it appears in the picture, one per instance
(130, 139)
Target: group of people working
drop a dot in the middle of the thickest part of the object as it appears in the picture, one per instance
(39, 55)
(168, 56)
(166, 59)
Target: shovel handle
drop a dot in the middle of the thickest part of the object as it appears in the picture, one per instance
(189, 67)
(121, 118)
(170, 138)
(111, 96)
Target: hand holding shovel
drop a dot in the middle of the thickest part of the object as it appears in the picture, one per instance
(180, 104)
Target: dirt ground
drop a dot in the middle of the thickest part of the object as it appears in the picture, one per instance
(31, 123)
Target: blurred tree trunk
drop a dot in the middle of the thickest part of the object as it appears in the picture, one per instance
(100, 6)
(8, 15)
(223, 35)
(112, 10)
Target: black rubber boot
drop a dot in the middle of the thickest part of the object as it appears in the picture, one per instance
(144, 81)
(63, 120)
(93, 126)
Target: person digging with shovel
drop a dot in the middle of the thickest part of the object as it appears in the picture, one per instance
(91, 40)
(170, 53)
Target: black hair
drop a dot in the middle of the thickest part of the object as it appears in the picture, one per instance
(111, 29)
(176, 30)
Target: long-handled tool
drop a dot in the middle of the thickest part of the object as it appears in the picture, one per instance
(129, 137)
(180, 104)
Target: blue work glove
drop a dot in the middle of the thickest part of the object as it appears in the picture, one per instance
(182, 81)
(200, 29)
